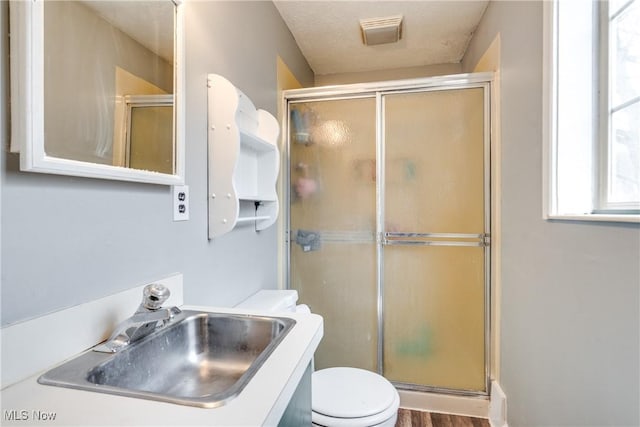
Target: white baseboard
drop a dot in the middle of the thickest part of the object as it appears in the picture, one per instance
(445, 404)
(37, 344)
(497, 406)
(493, 408)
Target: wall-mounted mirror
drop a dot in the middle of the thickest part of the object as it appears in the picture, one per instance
(97, 88)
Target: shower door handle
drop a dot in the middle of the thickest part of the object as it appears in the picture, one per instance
(436, 239)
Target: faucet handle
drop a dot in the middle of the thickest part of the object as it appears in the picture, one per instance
(154, 295)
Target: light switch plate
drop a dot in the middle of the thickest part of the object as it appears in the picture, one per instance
(180, 202)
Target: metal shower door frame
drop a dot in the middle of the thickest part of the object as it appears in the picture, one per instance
(379, 90)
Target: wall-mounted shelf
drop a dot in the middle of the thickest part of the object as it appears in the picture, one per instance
(243, 160)
(252, 218)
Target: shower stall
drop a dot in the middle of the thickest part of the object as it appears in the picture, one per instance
(388, 226)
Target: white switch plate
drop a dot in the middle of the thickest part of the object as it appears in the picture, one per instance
(180, 202)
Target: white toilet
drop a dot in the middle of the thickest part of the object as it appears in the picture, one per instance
(340, 397)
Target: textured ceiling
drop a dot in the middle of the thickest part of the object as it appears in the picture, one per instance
(328, 32)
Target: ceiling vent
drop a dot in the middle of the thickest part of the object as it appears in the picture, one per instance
(381, 30)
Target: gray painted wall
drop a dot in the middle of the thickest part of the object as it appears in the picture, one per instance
(69, 240)
(570, 290)
(390, 74)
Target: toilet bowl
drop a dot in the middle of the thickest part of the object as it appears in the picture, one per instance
(341, 397)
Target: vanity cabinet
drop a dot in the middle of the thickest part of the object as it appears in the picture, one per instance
(298, 412)
(243, 160)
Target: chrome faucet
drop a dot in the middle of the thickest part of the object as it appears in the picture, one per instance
(148, 317)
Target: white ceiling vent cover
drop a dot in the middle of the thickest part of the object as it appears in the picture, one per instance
(381, 30)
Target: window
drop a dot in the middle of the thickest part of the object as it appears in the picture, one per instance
(592, 117)
(620, 21)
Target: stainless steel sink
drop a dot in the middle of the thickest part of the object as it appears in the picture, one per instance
(201, 359)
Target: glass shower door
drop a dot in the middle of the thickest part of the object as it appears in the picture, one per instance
(332, 216)
(435, 224)
(389, 229)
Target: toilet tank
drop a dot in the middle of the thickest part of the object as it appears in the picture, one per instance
(271, 301)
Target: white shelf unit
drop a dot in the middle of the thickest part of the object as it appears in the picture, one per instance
(243, 160)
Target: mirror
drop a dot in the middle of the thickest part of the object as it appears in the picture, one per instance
(97, 89)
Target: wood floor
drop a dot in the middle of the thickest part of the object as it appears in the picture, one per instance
(412, 418)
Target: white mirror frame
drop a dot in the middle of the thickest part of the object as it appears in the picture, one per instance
(27, 101)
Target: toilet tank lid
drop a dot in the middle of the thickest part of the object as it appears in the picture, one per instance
(271, 300)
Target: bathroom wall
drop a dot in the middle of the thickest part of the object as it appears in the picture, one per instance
(391, 74)
(570, 290)
(68, 240)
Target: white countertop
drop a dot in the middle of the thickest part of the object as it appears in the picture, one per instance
(262, 402)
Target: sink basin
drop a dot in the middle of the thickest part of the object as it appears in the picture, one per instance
(200, 359)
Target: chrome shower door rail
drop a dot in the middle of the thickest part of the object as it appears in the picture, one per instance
(436, 239)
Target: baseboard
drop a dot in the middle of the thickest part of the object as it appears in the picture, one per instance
(445, 404)
(493, 408)
(497, 406)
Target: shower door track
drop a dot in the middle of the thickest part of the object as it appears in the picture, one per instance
(378, 90)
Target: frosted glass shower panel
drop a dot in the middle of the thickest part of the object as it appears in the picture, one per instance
(435, 248)
(333, 163)
(434, 170)
(339, 282)
(150, 139)
(434, 316)
(332, 224)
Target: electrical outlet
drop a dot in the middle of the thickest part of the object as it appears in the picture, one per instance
(180, 202)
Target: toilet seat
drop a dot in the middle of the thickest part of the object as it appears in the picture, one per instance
(352, 397)
(382, 419)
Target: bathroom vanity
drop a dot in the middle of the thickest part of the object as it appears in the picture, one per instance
(278, 394)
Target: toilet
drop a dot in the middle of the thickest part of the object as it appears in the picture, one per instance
(340, 397)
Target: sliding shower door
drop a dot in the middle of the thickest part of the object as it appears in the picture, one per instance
(333, 224)
(389, 228)
(434, 231)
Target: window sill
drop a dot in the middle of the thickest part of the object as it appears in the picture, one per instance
(629, 218)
